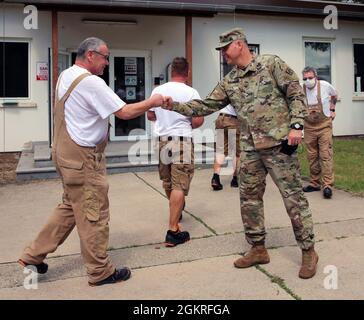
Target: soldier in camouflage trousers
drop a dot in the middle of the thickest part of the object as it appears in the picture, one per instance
(270, 105)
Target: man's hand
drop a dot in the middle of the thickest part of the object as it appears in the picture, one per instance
(156, 100)
(294, 137)
(332, 114)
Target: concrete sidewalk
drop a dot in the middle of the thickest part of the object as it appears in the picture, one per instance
(199, 269)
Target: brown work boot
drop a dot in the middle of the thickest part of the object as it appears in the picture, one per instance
(309, 263)
(256, 255)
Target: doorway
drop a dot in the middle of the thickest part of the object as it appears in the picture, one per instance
(130, 78)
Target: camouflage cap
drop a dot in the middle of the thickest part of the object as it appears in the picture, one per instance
(230, 36)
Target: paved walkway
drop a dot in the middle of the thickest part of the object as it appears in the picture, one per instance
(199, 269)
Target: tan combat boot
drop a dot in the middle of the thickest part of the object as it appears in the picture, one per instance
(309, 263)
(256, 255)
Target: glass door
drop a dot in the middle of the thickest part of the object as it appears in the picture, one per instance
(130, 78)
(63, 61)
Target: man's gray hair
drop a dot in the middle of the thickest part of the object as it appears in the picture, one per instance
(89, 44)
(310, 69)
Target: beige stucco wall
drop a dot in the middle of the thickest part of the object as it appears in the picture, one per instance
(19, 125)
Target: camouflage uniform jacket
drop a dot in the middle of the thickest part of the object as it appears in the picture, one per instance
(267, 98)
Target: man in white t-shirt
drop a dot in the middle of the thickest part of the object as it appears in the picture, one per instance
(175, 147)
(227, 128)
(321, 101)
(83, 104)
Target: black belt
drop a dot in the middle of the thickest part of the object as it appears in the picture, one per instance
(170, 138)
(228, 115)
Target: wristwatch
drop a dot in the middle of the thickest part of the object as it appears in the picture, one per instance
(297, 126)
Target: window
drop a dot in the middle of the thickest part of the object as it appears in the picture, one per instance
(318, 56)
(359, 67)
(225, 68)
(14, 69)
(63, 62)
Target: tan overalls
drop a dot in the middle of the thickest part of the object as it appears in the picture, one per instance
(319, 144)
(85, 200)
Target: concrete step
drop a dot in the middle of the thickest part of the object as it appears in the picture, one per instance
(116, 152)
(137, 156)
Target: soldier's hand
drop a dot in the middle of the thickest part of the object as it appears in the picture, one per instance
(167, 103)
(294, 137)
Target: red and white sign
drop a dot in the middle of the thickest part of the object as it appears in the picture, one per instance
(42, 71)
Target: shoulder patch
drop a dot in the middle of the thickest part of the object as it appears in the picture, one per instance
(289, 71)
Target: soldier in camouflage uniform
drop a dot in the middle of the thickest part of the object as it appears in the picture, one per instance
(270, 105)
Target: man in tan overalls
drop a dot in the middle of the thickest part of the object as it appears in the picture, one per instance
(321, 100)
(83, 104)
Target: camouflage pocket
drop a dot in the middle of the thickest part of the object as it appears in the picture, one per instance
(71, 171)
(164, 171)
(265, 89)
(182, 175)
(91, 205)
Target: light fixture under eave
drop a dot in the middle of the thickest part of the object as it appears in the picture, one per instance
(110, 22)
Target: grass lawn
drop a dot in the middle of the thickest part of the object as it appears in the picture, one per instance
(348, 164)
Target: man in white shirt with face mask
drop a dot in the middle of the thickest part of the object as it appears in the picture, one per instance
(321, 101)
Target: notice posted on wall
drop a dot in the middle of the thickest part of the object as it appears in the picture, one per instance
(42, 71)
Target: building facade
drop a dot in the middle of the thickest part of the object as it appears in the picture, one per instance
(144, 39)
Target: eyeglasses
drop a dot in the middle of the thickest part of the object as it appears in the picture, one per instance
(106, 56)
(309, 78)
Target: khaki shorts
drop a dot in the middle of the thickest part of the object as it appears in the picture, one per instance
(176, 164)
(226, 122)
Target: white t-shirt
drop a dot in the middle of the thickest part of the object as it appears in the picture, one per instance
(327, 90)
(171, 123)
(229, 109)
(88, 108)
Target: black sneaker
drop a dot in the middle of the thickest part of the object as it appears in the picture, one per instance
(215, 182)
(234, 182)
(327, 193)
(42, 268)
(174, 238)
(120, 274)
(310, 188)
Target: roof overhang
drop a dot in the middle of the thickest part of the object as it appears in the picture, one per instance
(202, 8)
